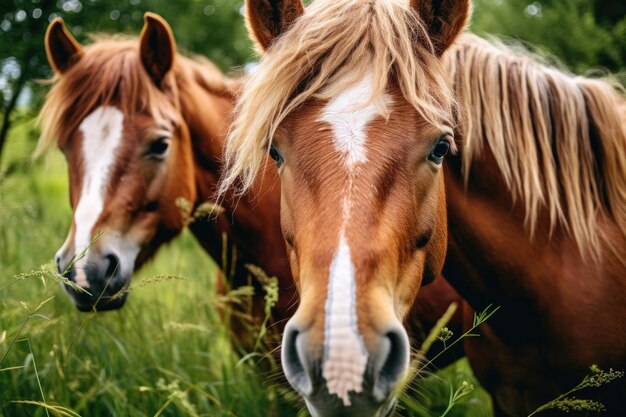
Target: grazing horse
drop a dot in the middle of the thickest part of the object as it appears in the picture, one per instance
(353, 102)
(537, 224)
(141, 126)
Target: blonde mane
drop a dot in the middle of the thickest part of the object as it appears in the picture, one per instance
(110, 72)
(559, 140)
(332, 39)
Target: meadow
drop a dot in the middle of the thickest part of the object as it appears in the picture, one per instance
(166, 353)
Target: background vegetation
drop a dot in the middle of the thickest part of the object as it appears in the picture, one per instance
(167, 352)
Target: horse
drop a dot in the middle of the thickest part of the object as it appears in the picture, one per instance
(537, 224)
(142, 127)
(543, 204)
(176, 113)
(353, 102)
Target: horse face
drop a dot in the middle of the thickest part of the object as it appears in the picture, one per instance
(363, 216)
(363, 205)
(125, 175)
(126, 168)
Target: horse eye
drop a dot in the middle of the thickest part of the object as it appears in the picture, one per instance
(159, 147)
(439, 151)
(276, 156)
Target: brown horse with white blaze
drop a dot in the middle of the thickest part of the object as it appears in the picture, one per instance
(354, 104)
(142, 127)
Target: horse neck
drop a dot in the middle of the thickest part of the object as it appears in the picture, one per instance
(205, 111)
(495, 255)
(251, 222)
(490, 256)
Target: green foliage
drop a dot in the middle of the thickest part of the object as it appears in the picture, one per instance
(568, 402)
(583, 34)
(444, 335)
(436, 394)
(213, 28)
(167, 353)
(463, 390)
(203, 211)
(28, 199)
(453, 392)
(270, 286)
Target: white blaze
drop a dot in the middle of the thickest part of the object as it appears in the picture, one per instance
(102, 134)
(349, 114)
(345, 354)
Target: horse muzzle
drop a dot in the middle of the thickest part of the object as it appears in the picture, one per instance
(99, 284)
(387, 366)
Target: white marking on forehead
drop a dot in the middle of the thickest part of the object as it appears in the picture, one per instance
(102, 134)
(349, 114)
(345, 354)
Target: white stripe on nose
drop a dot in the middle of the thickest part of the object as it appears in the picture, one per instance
(345, 353)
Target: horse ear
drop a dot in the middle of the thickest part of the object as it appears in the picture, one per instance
(157, 47)
(444, 20)
(268, 19)
(62, 49)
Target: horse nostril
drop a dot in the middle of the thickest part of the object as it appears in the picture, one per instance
(294, 365)
(394, 355)
(57, 261)
(113, 265)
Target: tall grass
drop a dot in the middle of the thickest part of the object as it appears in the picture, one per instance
(166, 353)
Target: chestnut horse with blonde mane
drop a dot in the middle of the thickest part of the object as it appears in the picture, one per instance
(168, 145)
(358, 103)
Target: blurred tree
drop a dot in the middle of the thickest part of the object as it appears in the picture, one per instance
(611, 14)
(583, 34)
(213, 28)
(21, 58)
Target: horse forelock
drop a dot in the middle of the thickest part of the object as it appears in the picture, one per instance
(559, 140)
(333, 45)
(110, 73)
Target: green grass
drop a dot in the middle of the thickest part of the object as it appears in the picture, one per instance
(166, 353)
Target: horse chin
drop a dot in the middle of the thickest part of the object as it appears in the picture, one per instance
(99, 300)
(102, 305)
(325, 405)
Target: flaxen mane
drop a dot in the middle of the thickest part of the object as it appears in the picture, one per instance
(110, 72)
(334, 38)
(559, 140)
